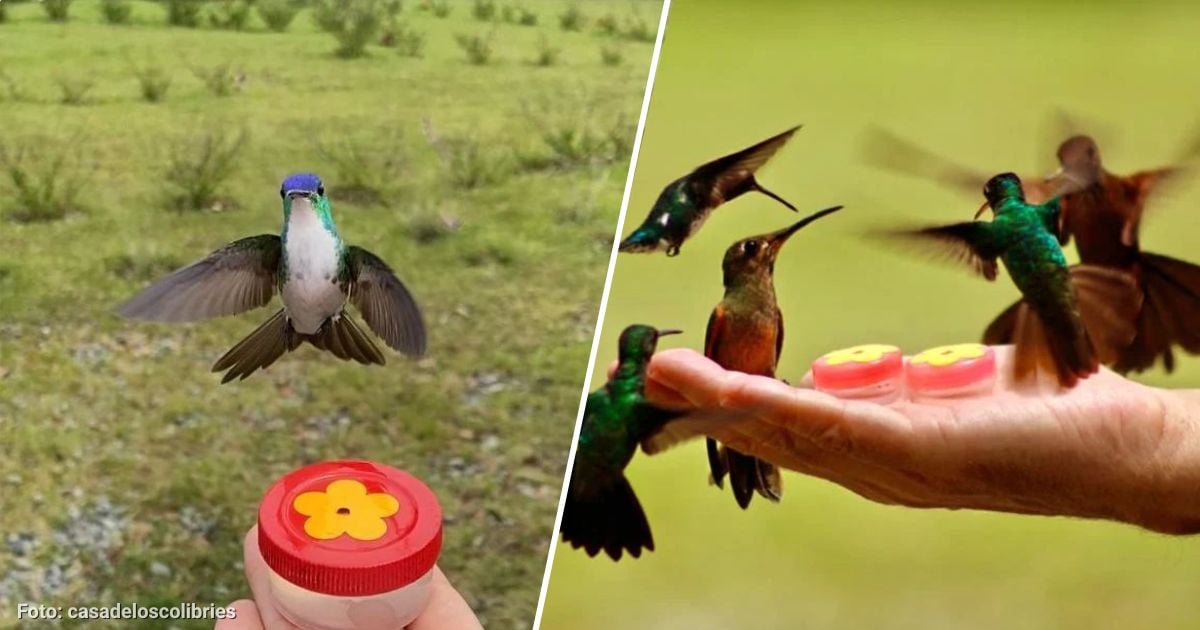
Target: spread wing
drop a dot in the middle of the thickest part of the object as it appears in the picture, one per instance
(970, 243)
(886, 150)
(726, 177)
(234, 279)
(386, 305)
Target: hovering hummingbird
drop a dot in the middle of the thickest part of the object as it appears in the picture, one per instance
(315, 273)
(745, 333)
(1103, 212)
(602, 512)
(684, 205)
(1069, 320)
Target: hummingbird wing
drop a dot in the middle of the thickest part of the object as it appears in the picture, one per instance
(234, 279)
(969, 243)
(886, 150)
(727, 177)
(386, 305)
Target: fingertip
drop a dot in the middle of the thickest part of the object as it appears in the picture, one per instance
(446, 610)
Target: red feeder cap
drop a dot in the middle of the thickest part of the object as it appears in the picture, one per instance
(948, 367)
(859, 366)
(350, 528)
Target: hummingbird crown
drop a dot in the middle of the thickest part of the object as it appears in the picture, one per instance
(302, 182)
(1001, 187)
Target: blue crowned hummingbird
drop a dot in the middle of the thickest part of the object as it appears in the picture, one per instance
(315, 273)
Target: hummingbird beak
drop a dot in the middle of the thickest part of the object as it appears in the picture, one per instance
(776, 240)
(669, 331)
(979, 212)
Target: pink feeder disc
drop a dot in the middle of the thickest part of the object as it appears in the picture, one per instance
(952, 368)
(857, 367)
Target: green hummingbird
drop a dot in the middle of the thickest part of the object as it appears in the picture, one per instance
(1070, 319)
(686, 203)
(315, 273)
(602, 512)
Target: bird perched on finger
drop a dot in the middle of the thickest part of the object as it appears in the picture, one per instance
(316, 276)
(1069, 319)
(745, 333)
(602, 512)
(686, 203)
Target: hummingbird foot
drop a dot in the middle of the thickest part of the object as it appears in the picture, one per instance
(672, 250)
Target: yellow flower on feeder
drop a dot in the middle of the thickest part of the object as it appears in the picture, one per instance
(345, 507)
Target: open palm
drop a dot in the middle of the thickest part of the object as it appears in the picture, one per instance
(1109, 448)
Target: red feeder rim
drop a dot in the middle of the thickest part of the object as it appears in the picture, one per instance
(360, 529)
(859, 366)
(948, 367)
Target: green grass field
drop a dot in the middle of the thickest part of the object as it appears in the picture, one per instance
(127, 473)
(967, 81)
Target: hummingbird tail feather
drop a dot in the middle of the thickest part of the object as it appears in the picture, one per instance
(608, 518)
(1003, 328)
(747, 474)
(1067, 354)
(258, 350)
(754, 185)
(717, 466)
(1170, 313)
(1110, 303)
(342, 338)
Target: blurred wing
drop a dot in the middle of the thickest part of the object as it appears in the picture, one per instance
(386, 305)
(234, 279)
(726, 177)
(967, 243)
(886, 150)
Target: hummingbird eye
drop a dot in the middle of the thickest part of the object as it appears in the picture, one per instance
(750, 247)
(321, 190)
(281, 194)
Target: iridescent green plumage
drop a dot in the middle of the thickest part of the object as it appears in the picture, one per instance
(1069, 319)
(684, 204)
(602, 512)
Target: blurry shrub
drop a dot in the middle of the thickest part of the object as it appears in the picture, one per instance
(74, 89)
(153, 81)
(197, 166)
(229, 14)
(469, 161)
(367, 163)
(640, 30)
(116, 11)
(409, 41)
(221, 79)
(277, 14)
(527, 17)
(13, 90)
(546, 54)
(610, 55)
(353, 23)
(184, 13)
(484, 10)
(57, 10)
(441, 8)
(3, 12)
(477, 48)
(577, 130)
(572, 19)
(608, 24)
(45, 176)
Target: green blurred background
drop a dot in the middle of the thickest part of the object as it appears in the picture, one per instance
(976, 82)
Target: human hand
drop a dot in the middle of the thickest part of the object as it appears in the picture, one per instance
(1109, 448)
(447, 610)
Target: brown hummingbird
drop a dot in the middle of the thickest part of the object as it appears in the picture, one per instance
(1103, 212)
(745, 334)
